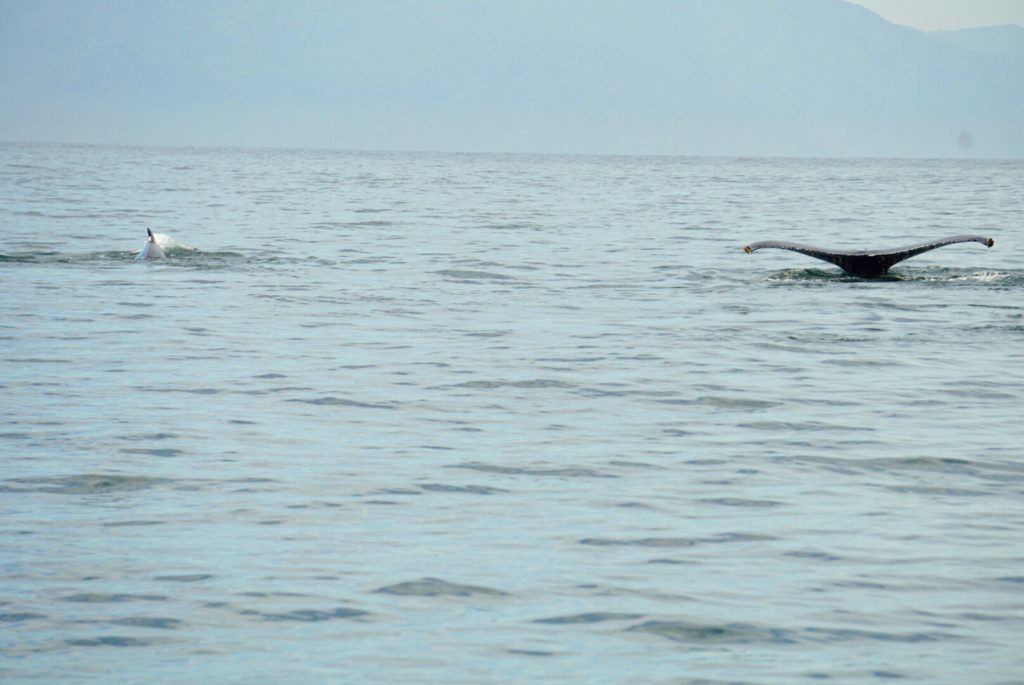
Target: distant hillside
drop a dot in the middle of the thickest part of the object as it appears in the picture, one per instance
(1006, 41)
(730, 77)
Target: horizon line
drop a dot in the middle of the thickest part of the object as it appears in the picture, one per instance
(524, 153)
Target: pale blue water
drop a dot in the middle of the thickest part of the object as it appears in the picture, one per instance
(429, 418)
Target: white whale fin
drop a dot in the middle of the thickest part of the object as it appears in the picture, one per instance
(152, 249)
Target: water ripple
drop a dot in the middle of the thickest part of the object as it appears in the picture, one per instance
(435, 587)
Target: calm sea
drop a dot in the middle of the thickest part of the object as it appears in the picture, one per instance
(437, 418)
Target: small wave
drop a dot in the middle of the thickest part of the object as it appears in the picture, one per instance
(461, 489)
(160, 452)
(725, 403)
(812, 426)
(742, 502)
(593, 617)
(372, 223)
(112, 598)
(84, 484)
(713, 633)
(158, 622)
(561, 472)
(472, 276)
(111, 641)
(960, 468)
(21, 616)
(330, 401)
(133, 523)
(743, 633)
(311, 615)
(669, 542)
(434, 587)
(640, 542)
(536, 383)
(185, 578)
(530, 652)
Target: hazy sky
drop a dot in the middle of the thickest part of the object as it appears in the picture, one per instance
(728, 77)
(933, 15)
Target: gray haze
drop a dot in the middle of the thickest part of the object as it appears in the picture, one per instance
(732, 77)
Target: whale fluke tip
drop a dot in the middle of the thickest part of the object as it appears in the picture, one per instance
(150, 234)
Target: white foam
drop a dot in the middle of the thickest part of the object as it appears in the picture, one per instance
(984, 277)
(166, 244)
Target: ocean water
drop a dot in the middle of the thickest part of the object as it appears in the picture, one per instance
(399, 418)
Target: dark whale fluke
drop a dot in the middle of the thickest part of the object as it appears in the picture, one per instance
(868, 263)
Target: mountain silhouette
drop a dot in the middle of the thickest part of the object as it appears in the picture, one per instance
(730, 77)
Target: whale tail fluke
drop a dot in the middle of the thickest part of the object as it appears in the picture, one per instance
(868, 263)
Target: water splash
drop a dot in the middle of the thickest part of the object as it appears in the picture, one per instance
(935, 275)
